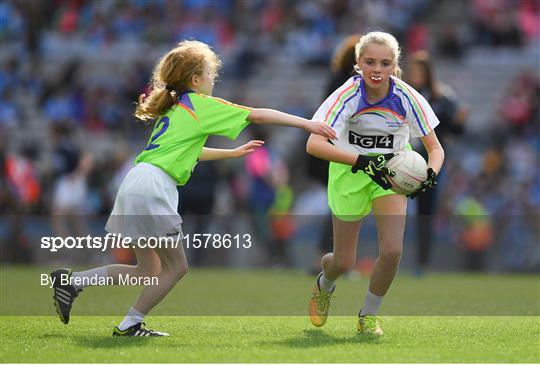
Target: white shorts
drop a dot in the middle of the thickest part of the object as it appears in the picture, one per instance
(146, 204)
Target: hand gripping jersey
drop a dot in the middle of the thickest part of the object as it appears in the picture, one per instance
(179, 135)
(382, 127)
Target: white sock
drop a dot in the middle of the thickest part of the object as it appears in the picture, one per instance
(86, 276)
(372, 304)
(132, 317)
(326, 284)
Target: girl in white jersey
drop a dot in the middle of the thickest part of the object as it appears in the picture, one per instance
(374, 113)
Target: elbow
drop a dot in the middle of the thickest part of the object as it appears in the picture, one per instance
(438, 151)
(438, 154)
(441, 151)
(317, 146)
(309, 149)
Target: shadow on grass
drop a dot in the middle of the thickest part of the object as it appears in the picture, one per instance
(317, 338)
(54, 335)
(109, 342)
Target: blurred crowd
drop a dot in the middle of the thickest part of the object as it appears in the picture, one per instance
(71, 70)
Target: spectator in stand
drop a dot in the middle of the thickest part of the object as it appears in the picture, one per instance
(21, 178)
(496, 23)
(71, 168)
(342, 64)
(417, 38)
(197, 199)
(10, 113)
(452, 116)
(521, 104)
(450, 43)
(269, 199)
(529, 18)
(23, 194)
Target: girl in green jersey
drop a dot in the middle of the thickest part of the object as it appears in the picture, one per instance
(185, 113)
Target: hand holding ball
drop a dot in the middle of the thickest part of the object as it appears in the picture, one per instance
(411, 171)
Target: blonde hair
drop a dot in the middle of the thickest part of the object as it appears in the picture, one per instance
(383, 38)
(172, 75)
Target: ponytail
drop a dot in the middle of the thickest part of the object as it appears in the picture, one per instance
(152, 106)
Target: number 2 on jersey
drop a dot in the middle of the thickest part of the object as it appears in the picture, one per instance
(152, 145)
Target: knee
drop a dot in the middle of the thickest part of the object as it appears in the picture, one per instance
(390, 255)
(182, 270)
(177, 271)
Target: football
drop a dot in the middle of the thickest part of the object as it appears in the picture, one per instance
(411, 170)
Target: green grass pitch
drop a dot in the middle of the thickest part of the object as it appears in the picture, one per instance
(258, 316)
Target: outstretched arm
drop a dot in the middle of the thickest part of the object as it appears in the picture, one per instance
(209, 154)
(270, 116)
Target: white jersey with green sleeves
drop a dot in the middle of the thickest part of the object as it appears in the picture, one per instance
(376, 128)
(180, 134)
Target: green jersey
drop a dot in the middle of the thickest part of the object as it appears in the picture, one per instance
(179, 135)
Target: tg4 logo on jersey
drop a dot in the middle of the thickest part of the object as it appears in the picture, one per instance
(371, 141)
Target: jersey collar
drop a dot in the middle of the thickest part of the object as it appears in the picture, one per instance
(184, 99)
(364, 97)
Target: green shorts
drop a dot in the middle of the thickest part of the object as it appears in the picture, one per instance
(350, 196)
